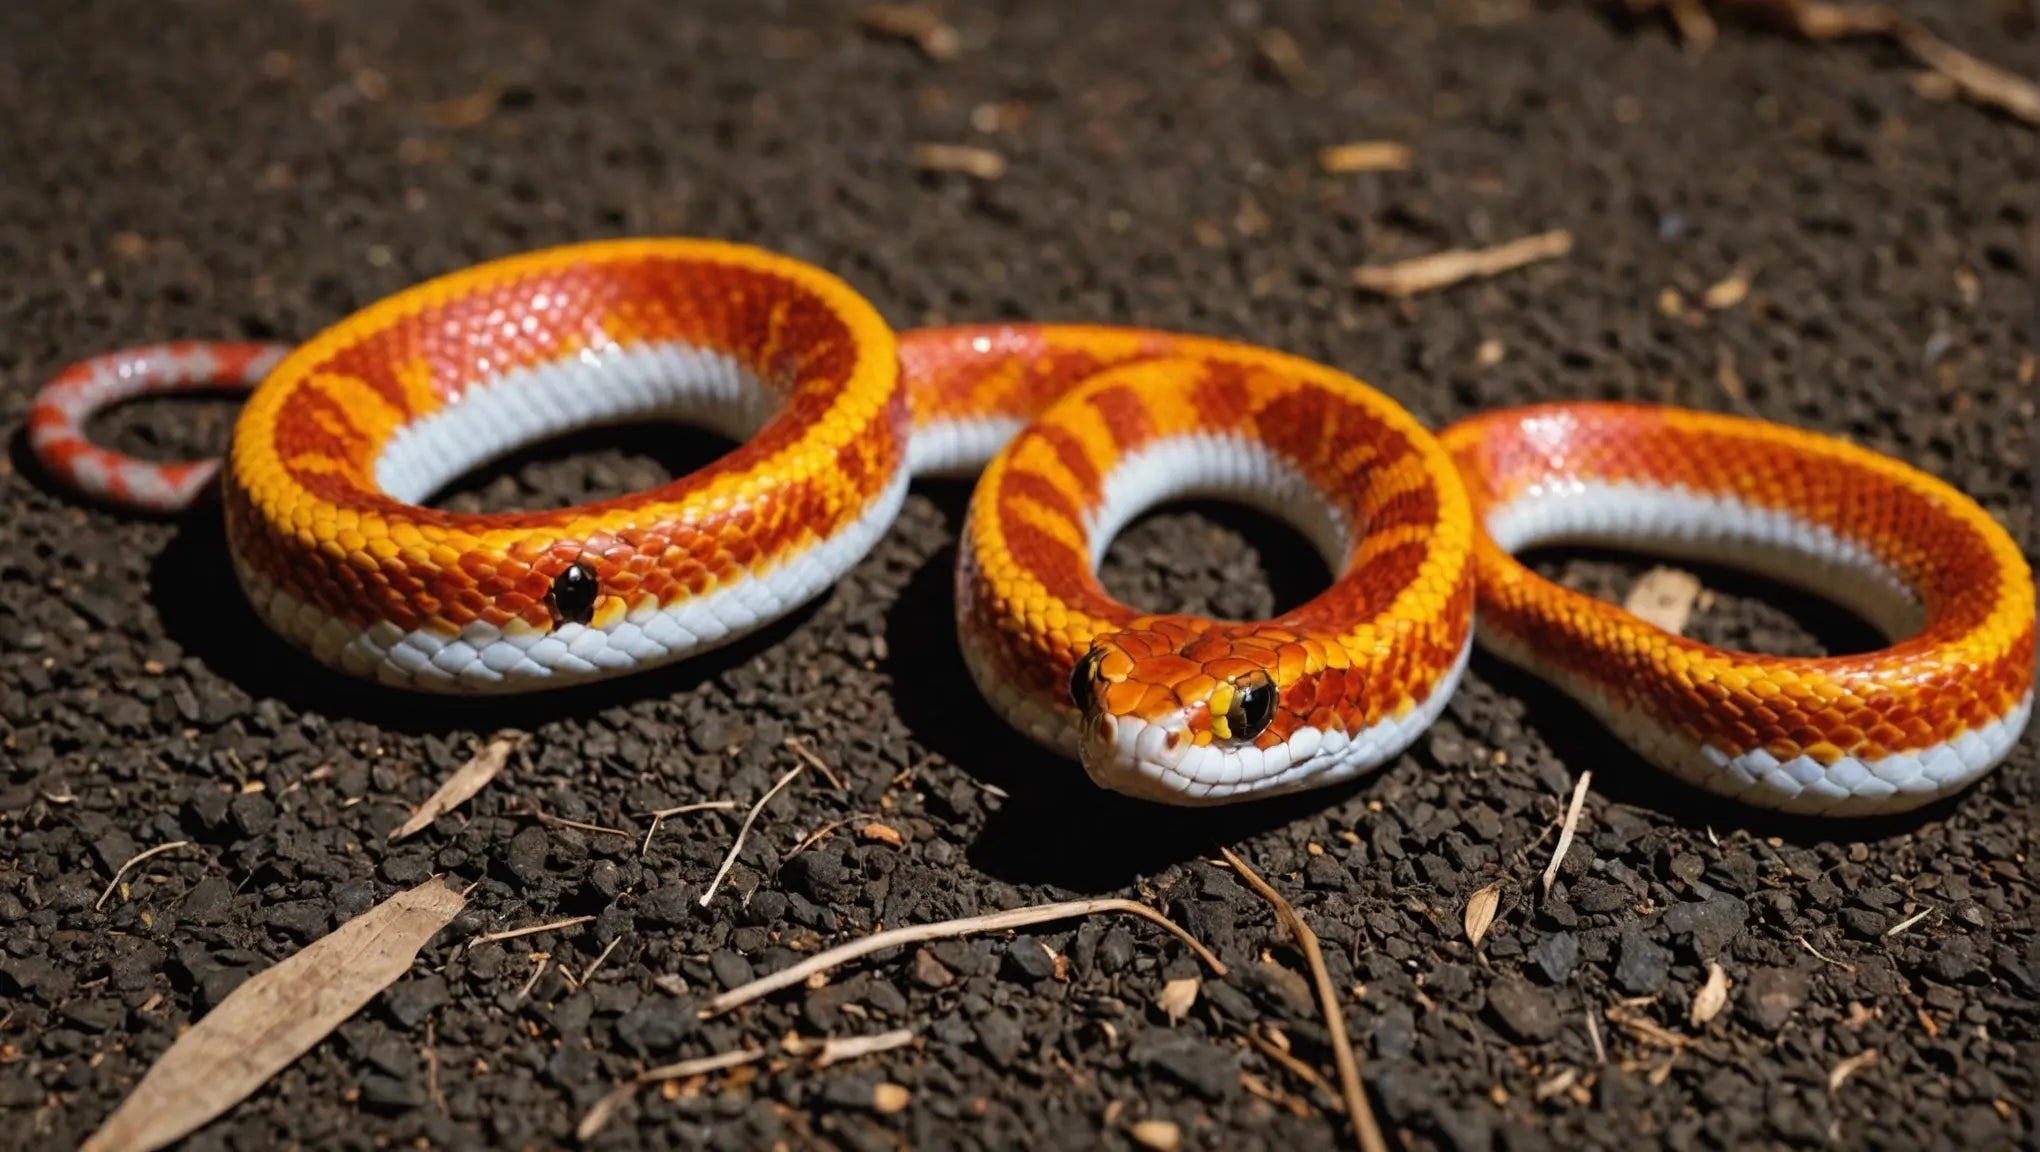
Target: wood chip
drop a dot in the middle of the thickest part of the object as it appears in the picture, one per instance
(1557, 1085)
(1566, 830)
(888, 1098)
(275, 1017)
(1728, 291)
(822, 962)
(1480, 912)
(1711, 998)
(883, 833)
(1848, 1067)
(465, 111)
(1664, 597)
(1443, 269)
(981, 163)
(1161, 1135)
(917, 23)
(462, 785)
(1178, 996)
(1365, 156)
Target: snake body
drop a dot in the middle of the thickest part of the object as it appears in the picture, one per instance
(1075, 430)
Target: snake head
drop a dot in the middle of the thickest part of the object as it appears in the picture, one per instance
(1188, 711)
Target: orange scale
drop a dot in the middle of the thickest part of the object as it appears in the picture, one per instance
(1230, 667)
(1167, 669)
(1124, 697)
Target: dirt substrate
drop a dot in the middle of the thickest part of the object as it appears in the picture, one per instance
(261, 170)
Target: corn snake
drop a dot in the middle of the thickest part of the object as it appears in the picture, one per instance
(1074, 430)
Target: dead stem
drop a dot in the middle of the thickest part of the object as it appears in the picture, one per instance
(912, 934)
(1365, 1128)
(738, 846)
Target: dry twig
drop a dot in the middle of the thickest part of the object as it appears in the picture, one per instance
(815, 837)
(1980, 83)
(915, 933)
(798, 747)
(137, 858)
(1908, 922)
(1358, 1110)
(659, 816)
(588, 973)
(534, 930)
(836, 1049)
(1565, 832)
(1443, 269)
(745, 830)
(606, 1107)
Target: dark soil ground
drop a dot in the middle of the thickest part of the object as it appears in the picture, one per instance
(210, 169)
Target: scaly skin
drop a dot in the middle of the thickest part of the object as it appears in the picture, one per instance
(1073, 428)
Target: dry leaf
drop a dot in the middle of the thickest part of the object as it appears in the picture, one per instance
(1160, 1135)
(1480, 912)
(888, 1098)
(1664, 597)
(459, 787)
(1177, 997)
(1711, 998)
(1847, 1068)
(275, 1017)
(1443, 269)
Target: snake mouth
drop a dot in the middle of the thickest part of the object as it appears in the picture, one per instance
(1159, 760)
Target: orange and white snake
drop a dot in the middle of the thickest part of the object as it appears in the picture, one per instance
(1076, 430)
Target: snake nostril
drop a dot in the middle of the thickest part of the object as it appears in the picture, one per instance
(573, 593)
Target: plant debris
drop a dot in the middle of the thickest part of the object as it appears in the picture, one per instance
(917, 23)
(1444, 269)
(1365, 1131)
(472, 777)
(275, 1017)
(981, 163)
(1480, 912)
(1664, 597)
(1365, 156)
(994, 922)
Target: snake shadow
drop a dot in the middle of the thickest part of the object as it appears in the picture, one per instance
(1053, 825)
(204, 610)
(1580, 741)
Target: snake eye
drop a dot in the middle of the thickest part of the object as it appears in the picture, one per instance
(1083, 677)
(573, 593)
(1253, 706)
